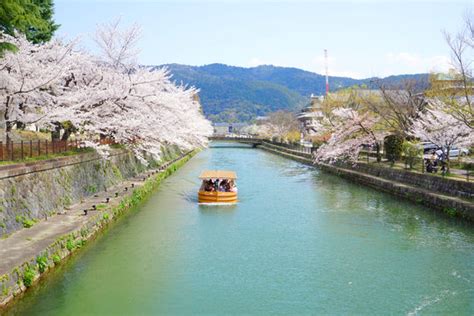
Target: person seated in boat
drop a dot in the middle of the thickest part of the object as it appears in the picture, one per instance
(233, 187)
(208, 185)
(223, 186)
(227, 186)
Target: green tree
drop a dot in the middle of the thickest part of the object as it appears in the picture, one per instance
(34, 18)
(393, 147)
(45, 33)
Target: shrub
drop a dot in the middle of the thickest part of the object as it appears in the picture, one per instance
(451, 211)
(27, 223)
(411, 151)
(393, 146)
(84, 232)
(56, 258)
(91, 188)
(42, 262)
(70, 245)
(28, 276)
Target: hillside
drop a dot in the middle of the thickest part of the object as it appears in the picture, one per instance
(232, 94)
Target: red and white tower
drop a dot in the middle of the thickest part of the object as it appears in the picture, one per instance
(327, 71)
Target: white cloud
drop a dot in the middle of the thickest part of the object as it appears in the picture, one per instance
(414, 63)
(380, 66)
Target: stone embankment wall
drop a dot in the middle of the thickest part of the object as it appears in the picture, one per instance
(31, 192)
(429, 182)
(25, 275)
(451, 196)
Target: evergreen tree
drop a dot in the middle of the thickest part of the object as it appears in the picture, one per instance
(34, 18)
(46, 31)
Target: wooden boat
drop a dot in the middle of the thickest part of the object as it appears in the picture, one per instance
(212, 193)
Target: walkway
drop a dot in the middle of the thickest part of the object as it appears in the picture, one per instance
(26, 243)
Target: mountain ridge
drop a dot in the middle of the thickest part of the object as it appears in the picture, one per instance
(232, 93)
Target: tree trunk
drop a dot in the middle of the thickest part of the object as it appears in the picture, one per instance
(8, 129)
(20, 125)
(67, 133)
(377, 148)
(6, 117)
(447, 160)
(55, 134)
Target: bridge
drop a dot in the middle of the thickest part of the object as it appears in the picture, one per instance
(253, 141)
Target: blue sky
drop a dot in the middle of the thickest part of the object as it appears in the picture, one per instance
(363, 38)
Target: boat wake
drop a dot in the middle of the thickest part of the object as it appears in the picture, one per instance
(430, 301)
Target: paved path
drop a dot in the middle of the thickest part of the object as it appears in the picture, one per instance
(26, 243)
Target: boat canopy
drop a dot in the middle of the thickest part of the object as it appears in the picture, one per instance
(218, 174)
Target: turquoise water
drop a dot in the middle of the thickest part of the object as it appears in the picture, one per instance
(299, 242)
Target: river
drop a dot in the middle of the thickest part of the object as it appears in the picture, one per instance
(300, 241)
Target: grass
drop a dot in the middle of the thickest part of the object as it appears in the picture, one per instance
(101, 207)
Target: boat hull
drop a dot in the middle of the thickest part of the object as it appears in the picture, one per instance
(217, 197)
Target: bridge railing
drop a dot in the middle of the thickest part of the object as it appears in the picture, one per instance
(259, 140)
(236, 138)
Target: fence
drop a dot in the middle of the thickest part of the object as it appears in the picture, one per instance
(11, 151)
(459, 168)
(295, 147)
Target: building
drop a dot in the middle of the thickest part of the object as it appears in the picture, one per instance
(309, 116)
(450, 84)
(223, 129)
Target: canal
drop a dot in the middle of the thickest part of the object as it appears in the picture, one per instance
(299, 241)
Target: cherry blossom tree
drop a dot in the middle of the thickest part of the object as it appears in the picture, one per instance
(458, 96)
(350, 131)
(26, 77)
(438, 125)
(111, 95)
(145, 110)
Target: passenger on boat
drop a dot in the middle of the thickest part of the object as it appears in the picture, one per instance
(232, 186)
(208, 185)
(223, 186)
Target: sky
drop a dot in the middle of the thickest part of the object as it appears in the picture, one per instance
(364, 38)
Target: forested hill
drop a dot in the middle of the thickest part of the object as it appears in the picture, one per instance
(231, 93)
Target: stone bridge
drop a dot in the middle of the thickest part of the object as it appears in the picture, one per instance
(254, 142)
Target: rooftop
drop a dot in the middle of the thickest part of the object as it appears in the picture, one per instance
(218, 174)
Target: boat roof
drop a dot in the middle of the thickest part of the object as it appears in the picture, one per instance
(218, 174)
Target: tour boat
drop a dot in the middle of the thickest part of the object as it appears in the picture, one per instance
(218, 187)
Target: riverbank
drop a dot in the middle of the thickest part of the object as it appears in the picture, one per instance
(446, 195)
(28, 253)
